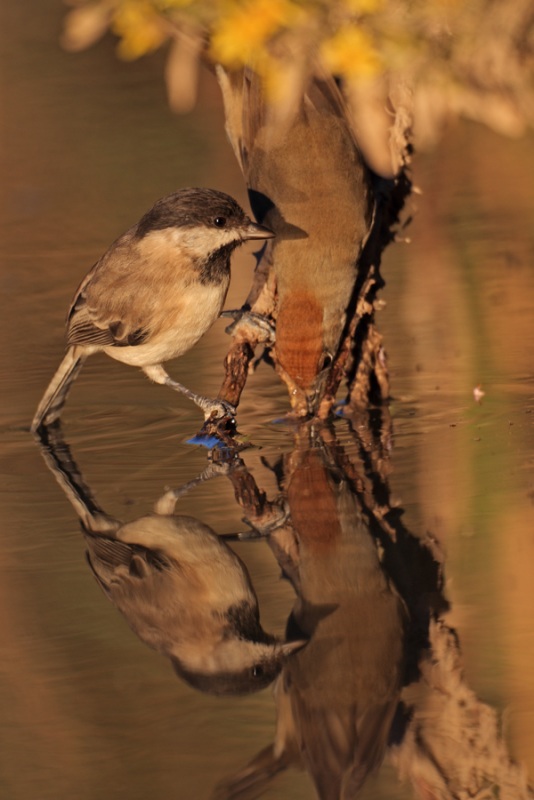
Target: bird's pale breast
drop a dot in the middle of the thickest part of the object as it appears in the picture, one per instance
(178, 320)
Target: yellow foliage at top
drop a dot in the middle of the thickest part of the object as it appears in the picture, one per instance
(139, 26)
(427, 42)
(242, 33)
(351, 52)
(363, 6)
(170, 4)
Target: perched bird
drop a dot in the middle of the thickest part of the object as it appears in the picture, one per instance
(155, 292)
(186, 594)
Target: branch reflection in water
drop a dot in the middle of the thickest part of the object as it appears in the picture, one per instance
(337, 697)
(370, 667)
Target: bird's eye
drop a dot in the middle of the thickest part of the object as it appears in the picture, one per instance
(219, 222)
(257, 671)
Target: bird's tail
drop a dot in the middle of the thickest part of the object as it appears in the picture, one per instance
(53, 400)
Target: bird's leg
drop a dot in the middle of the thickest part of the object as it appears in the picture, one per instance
(167, 502)
(219, 409)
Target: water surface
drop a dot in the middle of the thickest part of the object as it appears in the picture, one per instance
(89, 711)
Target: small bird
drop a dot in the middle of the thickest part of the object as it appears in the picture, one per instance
(155, 292)
(186, 594)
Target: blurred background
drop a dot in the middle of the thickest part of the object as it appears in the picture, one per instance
(88, 143)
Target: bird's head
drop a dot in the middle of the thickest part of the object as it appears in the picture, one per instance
(202, 220)
(238, 666)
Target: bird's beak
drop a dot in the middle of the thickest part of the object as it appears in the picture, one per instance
(254, 231)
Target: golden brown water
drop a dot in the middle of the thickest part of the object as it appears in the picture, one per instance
(88, 710)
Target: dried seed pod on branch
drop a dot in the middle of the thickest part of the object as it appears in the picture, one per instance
(318, 278)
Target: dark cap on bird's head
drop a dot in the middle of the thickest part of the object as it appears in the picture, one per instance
(192, 208)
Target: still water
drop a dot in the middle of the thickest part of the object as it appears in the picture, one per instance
(444, 485)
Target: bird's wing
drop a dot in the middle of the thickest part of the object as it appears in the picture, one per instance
(141, 584)
(117, 565)
(81, 329)
(86, 326)
(100, 313)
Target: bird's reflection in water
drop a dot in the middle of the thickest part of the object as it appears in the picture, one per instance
(370, 666)
(179, 586)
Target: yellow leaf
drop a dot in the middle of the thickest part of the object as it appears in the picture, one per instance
(351, 52)
(140, 28)
(245, 30)
(363, 6)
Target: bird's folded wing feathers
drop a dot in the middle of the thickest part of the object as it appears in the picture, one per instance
(86, 327)
(100, 312)
(110, 558)
(82, 330)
